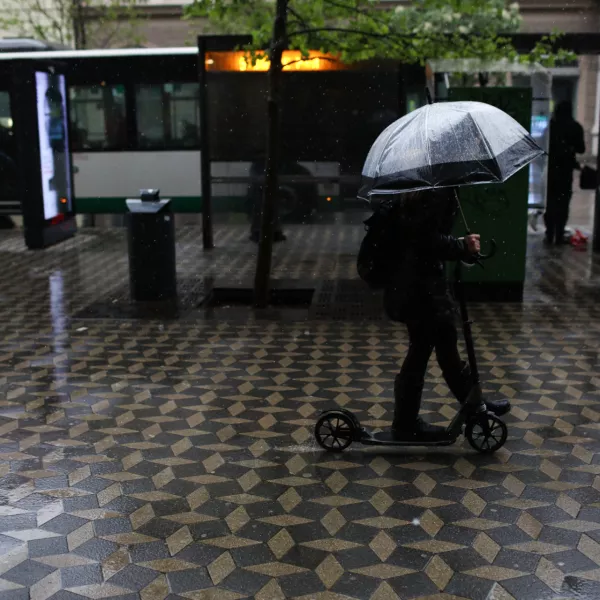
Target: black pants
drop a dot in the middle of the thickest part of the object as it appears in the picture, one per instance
(425, 335)
(557, 210)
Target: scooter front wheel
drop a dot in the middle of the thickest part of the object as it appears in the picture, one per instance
(486, 433)
(334, 431)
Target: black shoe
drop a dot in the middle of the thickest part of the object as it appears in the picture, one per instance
(548, 240)
(420, 432)
(462, 386)
(498, 407)
(407, 425)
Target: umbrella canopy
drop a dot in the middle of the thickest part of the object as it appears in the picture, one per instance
(446, 145)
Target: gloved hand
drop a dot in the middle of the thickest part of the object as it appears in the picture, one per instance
(472, 243)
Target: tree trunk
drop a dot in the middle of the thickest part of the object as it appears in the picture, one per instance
(267, 223)
(79, 25)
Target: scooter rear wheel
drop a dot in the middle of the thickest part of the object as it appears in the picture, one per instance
(334, 431)
(486, 433)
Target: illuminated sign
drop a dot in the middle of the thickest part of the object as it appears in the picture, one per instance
(292, 60)
(51, 102)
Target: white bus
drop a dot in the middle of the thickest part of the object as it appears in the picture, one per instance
(134, 119)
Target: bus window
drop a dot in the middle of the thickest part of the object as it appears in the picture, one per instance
(167, 116)
(98, 118)
(8, 168)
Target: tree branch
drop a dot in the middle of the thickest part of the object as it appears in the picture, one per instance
(105, 40)
(298, 16)
(339, 30)
(355, 9)
(333, 60)
(54, 24)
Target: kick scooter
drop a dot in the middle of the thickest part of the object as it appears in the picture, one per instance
(336, 429)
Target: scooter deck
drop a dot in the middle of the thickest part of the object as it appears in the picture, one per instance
(386, 438)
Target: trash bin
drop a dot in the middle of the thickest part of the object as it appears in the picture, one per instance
(151, 245)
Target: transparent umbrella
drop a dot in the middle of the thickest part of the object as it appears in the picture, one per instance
(447, 144)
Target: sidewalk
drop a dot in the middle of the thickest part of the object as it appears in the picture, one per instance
(175, 460)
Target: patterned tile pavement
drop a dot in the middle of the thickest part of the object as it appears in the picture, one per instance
(166, 460)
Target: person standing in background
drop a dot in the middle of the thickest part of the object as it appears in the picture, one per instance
(566, 140)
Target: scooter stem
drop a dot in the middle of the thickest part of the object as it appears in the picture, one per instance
(466, 324)
(470, 407)
(460, 293)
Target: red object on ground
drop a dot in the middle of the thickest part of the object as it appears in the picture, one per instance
(579, 241)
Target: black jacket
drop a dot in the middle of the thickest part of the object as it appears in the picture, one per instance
(566, 140)
(419, 288)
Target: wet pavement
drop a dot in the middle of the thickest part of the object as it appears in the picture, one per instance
(165, 460)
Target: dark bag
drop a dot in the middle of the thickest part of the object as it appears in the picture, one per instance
(588, 178)
(378, 254)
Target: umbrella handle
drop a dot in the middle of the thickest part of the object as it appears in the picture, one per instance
(491, 253)
(479, 257)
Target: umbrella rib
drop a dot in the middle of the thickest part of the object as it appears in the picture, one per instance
(489, 148)
(427, 109)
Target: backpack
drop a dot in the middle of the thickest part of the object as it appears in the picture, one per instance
(377, 256)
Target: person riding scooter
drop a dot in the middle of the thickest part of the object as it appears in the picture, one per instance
(419, 296)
